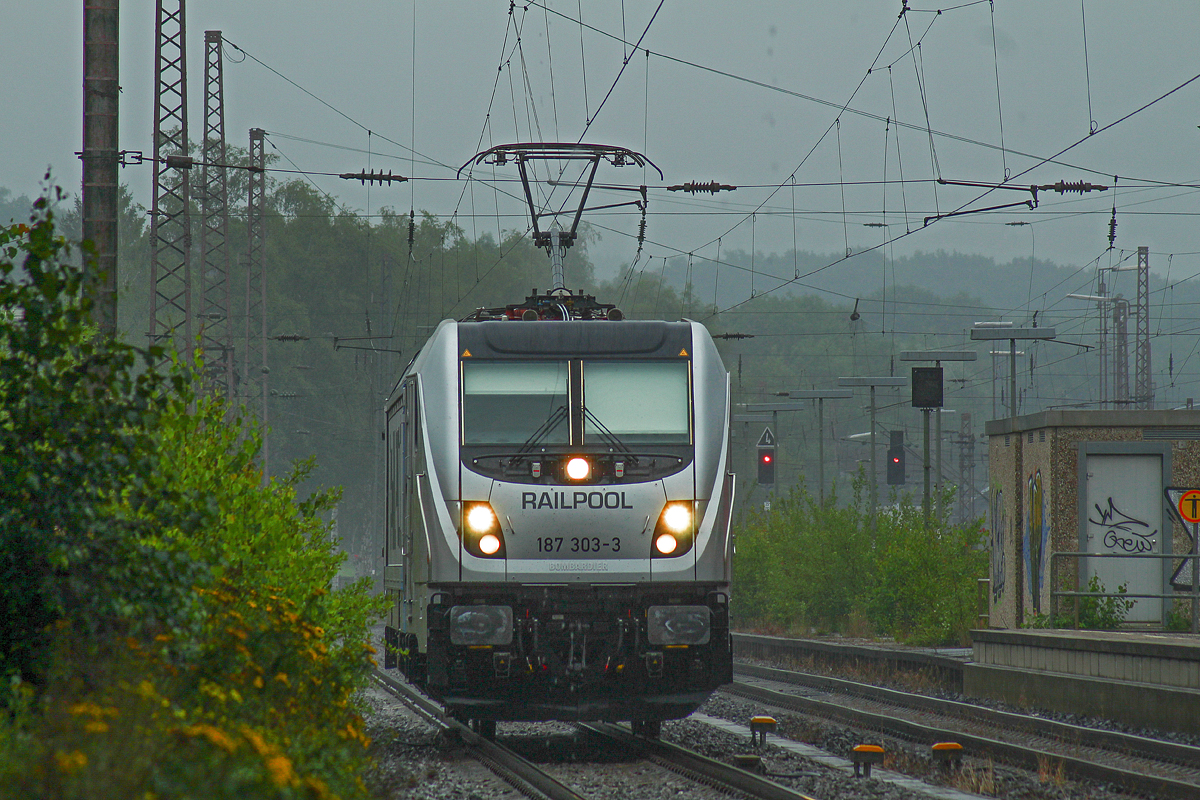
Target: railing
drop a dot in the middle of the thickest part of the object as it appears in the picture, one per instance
(1075, 595)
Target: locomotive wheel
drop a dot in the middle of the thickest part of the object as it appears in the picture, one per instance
(648, 728)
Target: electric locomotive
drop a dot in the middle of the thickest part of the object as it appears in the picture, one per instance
(558, 508)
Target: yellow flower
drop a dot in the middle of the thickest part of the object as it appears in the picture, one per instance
(163, 637)
(258, 682)
(256, 741)
(70, 762)
(283, 678)
(96, 726)
(318, 787)
(145, 690)
(78, 709)
(215, 736)
(280, 767)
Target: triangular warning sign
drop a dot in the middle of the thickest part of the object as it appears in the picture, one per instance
(466, 353)
(683, 352)
(767, 439)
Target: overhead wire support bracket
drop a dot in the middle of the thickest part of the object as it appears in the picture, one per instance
(1062, 187)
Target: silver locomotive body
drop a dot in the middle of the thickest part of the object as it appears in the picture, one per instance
(558, 510)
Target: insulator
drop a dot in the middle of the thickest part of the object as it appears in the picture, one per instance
(712, 187)
(1112, 229)
(412, 230)
(642, 231)
(373, 177)
(1063, 187)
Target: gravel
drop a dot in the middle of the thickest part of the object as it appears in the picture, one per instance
(413, 761)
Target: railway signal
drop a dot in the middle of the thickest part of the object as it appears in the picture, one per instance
(766, 466)
(766, 458)
(895, 460)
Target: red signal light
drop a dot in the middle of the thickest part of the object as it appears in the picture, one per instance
(766, 458)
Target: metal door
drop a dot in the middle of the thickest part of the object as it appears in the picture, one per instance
(1124, 514)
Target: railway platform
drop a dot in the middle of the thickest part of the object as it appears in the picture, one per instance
(1138, 678)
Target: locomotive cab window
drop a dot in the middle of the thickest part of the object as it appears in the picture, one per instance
(639, 402)
(507, 402)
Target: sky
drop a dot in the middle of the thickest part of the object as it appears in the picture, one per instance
(814, 110)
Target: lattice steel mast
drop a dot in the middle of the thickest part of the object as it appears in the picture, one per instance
(1120, 355)
(1143, 389)
(216, 328)
(255, 347)
(170, 218)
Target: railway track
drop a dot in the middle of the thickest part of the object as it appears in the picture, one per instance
(1154, 767)
(535, 782)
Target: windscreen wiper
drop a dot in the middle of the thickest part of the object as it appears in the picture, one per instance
(552, 422)
(608, 436)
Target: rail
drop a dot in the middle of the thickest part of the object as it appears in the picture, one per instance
(1075, 595)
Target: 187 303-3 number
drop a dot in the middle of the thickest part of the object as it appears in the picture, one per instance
(578, 544)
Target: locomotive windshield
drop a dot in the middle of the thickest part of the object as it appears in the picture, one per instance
(638, 401)
(507, 402)
(519, 402)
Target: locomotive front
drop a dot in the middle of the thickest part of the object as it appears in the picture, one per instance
(580, 569)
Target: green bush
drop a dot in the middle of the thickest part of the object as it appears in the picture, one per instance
(803, 566)
(1095, 613)
(166, 629)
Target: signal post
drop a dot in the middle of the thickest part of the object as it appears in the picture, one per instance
(888, 380)
(930, 390)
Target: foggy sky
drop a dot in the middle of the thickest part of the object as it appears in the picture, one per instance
(358, 55)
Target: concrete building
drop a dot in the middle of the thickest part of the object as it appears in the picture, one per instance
(1087, 482)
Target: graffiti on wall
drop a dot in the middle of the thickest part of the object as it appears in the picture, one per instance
(998, 515)
(1036, 535)
(1123, 532)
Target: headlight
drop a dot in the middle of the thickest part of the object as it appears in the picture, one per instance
(481, 518)
(578, 469)
(675, 531)
(677, 517)
(481, 533)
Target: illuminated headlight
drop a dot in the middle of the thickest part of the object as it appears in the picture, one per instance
(578, 469)
(481, 518)
(678, 624)
(674, 533)
(481, 535)
(481, 625)
(677, 517)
